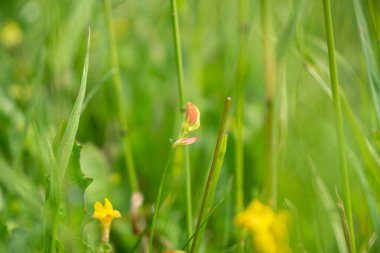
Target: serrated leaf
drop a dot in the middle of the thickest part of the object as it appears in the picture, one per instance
(74, 171)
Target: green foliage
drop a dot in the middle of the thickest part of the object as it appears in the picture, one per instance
(62, 148)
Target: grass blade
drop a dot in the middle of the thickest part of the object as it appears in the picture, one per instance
(157, 204)
(335, 88)
(369, 194)
(322, 192)
(118, 93)
(343, 218)
(210, 213)
(213, 169)
(365, 147)
(67, 143)
(369, 55)
(290, 28)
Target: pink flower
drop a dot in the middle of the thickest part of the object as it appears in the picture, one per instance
(192, 118)
(185, 141)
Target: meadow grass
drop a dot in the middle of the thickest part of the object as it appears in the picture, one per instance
(94, 105)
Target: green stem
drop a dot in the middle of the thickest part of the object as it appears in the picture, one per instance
(239, 155)
(239, 86)
(121, 111)
(178, 54)
(189, 213)
(52, 205)
(270, 90)
(338, 115)
(209, 186)
(177, 45)
(159, 196)
(52, 212)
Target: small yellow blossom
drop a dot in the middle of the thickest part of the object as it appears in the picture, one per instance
(269, 229)
(174, 251)
(11, 34)
(105, 214)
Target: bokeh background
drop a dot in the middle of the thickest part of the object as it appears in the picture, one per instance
(42, 51)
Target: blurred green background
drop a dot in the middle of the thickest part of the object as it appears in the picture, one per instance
(42, 51)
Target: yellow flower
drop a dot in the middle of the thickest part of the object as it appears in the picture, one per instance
(105, 214)
(174, 251)
(11, 34)
(269, 230)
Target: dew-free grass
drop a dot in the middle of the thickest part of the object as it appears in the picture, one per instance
(301, 141)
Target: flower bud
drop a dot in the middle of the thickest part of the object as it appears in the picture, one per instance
(192, 121)
(185, 141)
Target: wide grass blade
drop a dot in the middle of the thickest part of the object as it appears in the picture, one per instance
(58, 163)
(67, 143)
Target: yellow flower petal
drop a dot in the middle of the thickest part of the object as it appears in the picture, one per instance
(105, 214)
(269, 229)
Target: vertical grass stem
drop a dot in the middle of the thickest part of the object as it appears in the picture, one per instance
(209, 186)
(177, 45)
(338, 115)
(121, 111)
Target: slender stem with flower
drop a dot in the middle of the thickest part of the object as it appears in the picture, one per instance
(181, 95)
(191, 123)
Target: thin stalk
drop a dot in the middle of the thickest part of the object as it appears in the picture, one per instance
(338, 115)
(121, 110)
(189, 213)
(159, 196)
(240, 75)
(270, 90)
(375, 16)
(177, 45)
(209, 186)
(52, 206)
(178, 54)
(239, 153)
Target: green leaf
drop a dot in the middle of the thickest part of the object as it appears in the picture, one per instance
(66, 145)
(58, 164)
(75, 174)
(343, 218)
